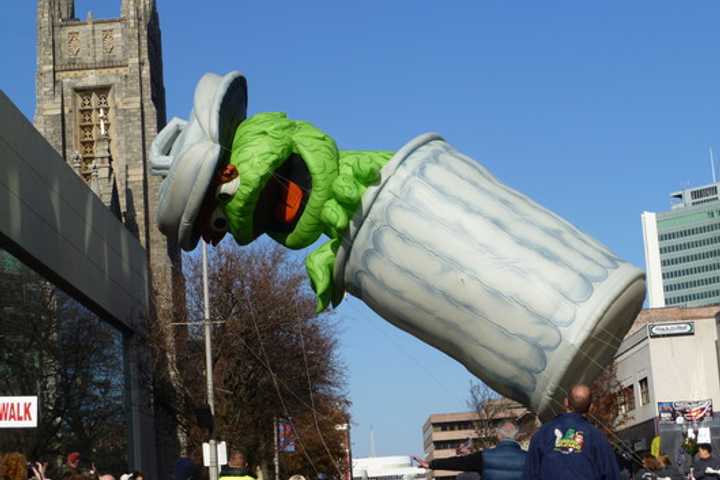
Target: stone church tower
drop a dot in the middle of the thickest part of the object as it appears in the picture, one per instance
(100, 101)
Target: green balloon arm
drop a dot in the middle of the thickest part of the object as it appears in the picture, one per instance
(319, 265)
(357, 171)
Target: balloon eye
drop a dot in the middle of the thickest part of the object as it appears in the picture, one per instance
(218, 222)
(225, 191)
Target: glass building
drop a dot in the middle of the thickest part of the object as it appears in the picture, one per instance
(682, 249)
(73, 311)
(55, 348)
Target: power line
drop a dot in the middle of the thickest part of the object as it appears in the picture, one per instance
(277, 388)
(312, 401)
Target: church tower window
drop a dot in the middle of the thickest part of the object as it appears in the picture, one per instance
(93, 123)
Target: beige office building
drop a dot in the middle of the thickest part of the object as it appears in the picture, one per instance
(443, 433)
(669, 355)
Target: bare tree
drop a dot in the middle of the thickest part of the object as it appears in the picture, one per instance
(272, 357)
(493, 409)
(484, 402)
(607, 412)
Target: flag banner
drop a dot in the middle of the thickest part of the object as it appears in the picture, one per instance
(286, 436)
(690, 411)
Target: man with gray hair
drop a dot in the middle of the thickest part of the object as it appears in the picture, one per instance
(503, 462)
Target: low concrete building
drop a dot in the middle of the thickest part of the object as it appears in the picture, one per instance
(386, 468)
(669, 355)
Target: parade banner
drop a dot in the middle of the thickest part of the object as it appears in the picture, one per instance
(18, 412)
(285, 436)
(689, 411)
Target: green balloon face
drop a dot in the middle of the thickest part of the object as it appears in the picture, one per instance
(286, 170)
(294, 186)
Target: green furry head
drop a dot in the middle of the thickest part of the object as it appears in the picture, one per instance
(274, 155)
(261, 145)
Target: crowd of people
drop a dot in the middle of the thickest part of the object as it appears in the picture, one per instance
(15, 466)
(569, 447)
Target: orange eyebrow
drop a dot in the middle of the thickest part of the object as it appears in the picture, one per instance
(227, 174)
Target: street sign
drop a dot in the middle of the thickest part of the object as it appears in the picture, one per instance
(221, 454)
(671, 329)
(18, 412)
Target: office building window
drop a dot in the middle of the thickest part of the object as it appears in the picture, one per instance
(644, 391)
(626, 399)
(451, 426)
(448, 444)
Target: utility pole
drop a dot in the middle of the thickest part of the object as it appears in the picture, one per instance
(276, 459)
(213, 467)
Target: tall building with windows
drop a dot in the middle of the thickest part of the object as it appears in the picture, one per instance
(682, 250)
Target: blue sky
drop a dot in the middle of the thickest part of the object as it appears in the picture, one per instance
(597, 110)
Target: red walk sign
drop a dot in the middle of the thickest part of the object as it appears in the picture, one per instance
(18, 412)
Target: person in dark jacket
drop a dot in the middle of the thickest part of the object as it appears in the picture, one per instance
(625, 465)
(503, 462)
(569, 447)
(185, 469)
(650, 470)
(704, 464)
(237, 467)
(668, 469)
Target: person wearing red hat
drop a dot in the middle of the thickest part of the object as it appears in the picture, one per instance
(72, 464)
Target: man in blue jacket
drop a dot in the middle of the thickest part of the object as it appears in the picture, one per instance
(569, 447)
(504, 462)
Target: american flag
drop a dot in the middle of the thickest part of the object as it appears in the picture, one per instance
(698, 412)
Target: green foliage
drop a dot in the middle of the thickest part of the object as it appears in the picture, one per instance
(690, 446)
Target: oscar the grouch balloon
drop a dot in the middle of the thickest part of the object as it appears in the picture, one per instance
(426, 236)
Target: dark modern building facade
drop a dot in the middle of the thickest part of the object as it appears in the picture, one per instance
(73, 308)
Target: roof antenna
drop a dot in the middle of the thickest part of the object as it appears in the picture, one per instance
(712, 164)
(372, 442)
